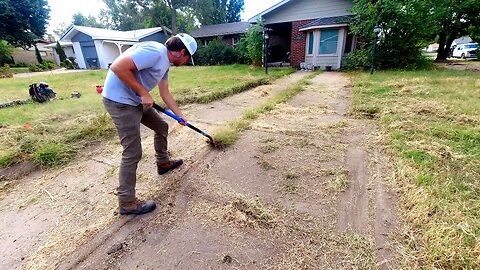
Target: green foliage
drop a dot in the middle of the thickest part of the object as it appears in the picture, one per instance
(23, 20)
(37, 54)
(241, 52)
(216, 52)
(46, 65)
(218, 11)
(81, 20)
(61, 53)
(399, 42)
(6, 72)
(7, 159)
(254, 40)
(52, 153)
(6, 51)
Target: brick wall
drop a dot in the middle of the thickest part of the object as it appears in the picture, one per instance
(298, 43)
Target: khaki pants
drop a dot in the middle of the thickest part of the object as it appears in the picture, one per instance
(127, 120)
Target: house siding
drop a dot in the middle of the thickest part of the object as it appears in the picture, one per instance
(298, 43)
(308, 9)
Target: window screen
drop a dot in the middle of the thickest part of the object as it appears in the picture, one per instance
(310, 43)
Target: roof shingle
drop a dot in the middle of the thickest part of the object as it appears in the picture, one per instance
(221, 29)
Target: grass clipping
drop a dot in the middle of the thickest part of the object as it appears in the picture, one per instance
(229, 133)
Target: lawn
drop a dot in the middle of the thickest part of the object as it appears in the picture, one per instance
(52, 133)
(431, 123)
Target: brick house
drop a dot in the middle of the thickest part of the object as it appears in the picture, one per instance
(230, 32)
(314, 32)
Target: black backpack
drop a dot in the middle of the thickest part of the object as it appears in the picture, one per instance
(41, 93)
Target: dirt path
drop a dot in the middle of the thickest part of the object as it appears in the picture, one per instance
(304, 188)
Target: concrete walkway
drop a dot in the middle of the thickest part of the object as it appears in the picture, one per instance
(51, 72)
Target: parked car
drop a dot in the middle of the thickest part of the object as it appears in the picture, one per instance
(467, 50)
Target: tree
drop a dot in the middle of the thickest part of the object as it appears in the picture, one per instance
(254, 40)
(451, 19)
(60, 52)
(218, 11)
(82, 20)
(21, 21)
(61, 29)
(402, 23)
(173, 7)
(123, 15)
(6, 51)
(37, 54)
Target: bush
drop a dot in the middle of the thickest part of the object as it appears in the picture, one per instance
(240, 52)
(35, 68)
(6, 72)
(254, 39)
(215, 53)
(48, 65)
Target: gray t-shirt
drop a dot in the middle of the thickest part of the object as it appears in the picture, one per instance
(152, 63)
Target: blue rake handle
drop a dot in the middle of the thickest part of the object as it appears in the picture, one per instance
(180, 120)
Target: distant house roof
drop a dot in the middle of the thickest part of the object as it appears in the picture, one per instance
(62, 43)
(261, 14)
(462, 40)
(100, 33)
(334, 21)
(221, 29)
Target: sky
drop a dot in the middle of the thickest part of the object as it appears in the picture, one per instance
(63, 10)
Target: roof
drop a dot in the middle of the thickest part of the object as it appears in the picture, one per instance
(100, 33)
(462, 40)
(221, 29)
(338, 20)
(62, 43)
(261, 14)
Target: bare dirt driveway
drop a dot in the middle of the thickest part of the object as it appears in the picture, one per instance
(304, 188)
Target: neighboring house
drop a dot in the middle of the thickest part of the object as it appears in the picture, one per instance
(67, 48)
(21, 55)
(230, 32)
(98, 48)
(314, 32)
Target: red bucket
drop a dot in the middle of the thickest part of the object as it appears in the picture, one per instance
(99, 89)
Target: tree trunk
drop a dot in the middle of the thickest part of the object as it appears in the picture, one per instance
(174, 21)
(442, 52)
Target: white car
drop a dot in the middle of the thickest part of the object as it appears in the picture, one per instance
(468, 50)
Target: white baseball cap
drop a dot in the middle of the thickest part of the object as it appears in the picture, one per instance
(189, 42)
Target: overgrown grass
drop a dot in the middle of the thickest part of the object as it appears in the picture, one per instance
(51, 133)
(432, 124)
(229, 133)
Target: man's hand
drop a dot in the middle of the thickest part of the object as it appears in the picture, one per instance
(184, 123)
(147, 100)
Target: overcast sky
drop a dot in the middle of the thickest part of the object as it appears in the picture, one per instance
(62, 11)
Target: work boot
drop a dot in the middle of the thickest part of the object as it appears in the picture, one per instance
(137, 207)
(168, 166)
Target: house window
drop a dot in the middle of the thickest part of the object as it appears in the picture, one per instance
(235, 41)
(310, 43)
(328, 41)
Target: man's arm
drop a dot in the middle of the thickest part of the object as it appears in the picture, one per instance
(169, 100)
(124, 68)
